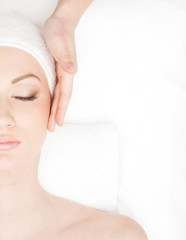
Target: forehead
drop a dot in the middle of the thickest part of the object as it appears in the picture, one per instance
(15, 61)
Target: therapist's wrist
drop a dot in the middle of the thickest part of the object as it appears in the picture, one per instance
(65, 22)
(70, 11)
(67, 15)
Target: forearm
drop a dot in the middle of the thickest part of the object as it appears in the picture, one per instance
(71, 10)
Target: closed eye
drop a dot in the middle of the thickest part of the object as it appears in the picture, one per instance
(31, 98)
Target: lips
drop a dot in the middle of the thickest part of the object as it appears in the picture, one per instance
(8, 143)
(8, 139)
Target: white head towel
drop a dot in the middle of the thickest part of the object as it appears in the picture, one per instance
(17, 31)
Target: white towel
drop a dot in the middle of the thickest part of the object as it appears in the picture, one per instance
(79, 161)
(17, 31)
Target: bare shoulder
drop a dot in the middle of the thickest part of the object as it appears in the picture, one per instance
(80, 222)
(110, 226)
(106, 226)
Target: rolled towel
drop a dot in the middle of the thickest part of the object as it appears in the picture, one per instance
(80, 162)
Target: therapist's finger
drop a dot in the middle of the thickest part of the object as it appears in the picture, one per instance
(65, 93)
(52, 121)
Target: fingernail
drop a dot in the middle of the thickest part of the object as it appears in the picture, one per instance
(70, 66)
(61, 123)
(60, 120)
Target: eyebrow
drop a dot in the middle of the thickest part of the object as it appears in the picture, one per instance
(23, 77)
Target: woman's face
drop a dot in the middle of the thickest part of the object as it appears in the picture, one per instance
(23, 119)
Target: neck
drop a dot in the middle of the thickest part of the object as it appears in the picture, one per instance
(23, 203)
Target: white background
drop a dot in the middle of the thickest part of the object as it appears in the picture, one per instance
(131, 59)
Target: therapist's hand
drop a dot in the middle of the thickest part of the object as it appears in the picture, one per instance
(60, 39)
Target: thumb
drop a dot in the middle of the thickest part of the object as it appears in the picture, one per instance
(65, 53)
(68, 65)
(67, 61)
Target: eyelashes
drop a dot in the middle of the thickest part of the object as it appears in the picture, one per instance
(31, 98)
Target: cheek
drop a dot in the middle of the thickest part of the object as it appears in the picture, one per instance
(33, 113)
(32, 120)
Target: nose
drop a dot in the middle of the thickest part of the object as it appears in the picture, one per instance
(6, 119)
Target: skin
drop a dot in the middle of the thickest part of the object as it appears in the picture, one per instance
(20, 194)
(27, 211)
(22, 200)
